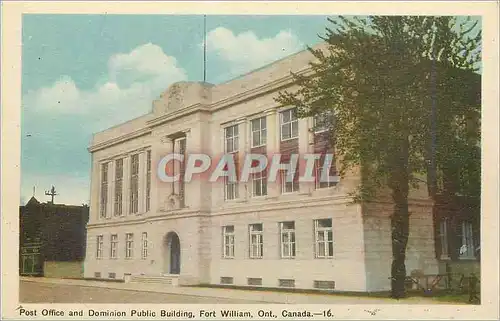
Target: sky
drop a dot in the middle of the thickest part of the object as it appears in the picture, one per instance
(85, 73)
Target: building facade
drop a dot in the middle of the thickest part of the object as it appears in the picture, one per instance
(255, 233)
(52, 239)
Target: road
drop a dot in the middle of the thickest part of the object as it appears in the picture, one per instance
(34, 292)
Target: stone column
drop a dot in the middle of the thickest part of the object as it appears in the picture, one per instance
(126, 185)
(273, 147)
(109, 207)
(111, 189)
(305, 139)
(141, 207)
(244, 188)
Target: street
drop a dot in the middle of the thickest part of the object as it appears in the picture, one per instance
(34, 292)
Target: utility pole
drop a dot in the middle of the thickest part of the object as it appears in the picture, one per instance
(51, 193)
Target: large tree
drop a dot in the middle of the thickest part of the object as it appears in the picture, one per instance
(378, 79)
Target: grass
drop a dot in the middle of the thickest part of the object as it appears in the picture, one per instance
(441, 296)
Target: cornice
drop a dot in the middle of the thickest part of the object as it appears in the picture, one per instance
(199, 107)
(119, 139)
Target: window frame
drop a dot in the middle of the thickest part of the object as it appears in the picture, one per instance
(99, 246)
(262, 131)
(228, 248)
(328, 243)
(113, 242)
(293, 123)
(144, 249)
(134, 184)
(148, 181)
(259, 238)
(103, 193)
(291, 242)
(129, 245)
(118, 200)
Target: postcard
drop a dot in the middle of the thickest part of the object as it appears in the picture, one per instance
(250, 160)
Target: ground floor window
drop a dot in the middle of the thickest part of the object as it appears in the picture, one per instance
(287, 231)
(256, 241)
(228, 241)
(324, 238)
(129, 245)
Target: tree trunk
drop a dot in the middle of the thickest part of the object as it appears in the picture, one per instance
(400, 223)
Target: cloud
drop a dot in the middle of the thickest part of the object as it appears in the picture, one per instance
(134, 79)
(245, 51)
(61, 118)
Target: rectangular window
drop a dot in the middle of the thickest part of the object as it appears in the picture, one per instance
(259, 131)
(231, 147)
(259, 184)
(320, 183)
(148, 180)
(134, 183)
(104, 189)
(144, 245)
(228, 241)
(226, 280)
(323, 122)
(324, 238)
(256, 241)
(99, 245)
(129, 245)
(443, 236)
(118, 187)
(113, 246)
(181, 149)
(467, 249)
(287, 232)
(289, 124)
(289, 187)
(231, 139)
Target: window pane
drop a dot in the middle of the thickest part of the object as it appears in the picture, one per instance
(325, 223)
(285, 131)
(330, 249)
(321, 249)
(255, 124)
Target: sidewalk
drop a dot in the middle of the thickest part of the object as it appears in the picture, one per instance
(247, 295)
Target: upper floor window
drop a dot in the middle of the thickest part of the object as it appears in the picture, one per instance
(134, 183)
(323, 122)
(289, 124)
(148, 180)
(259, 131)
(104, 190)
(228, 241)
(256, 241)
(323, 238)
(324, 182)
(118, 187)
(231, 139)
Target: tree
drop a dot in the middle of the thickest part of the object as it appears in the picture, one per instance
(376, 78)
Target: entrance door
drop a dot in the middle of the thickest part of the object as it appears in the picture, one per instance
(173, 253)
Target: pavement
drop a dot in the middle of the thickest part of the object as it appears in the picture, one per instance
(83, 291)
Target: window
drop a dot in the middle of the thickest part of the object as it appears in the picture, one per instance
(259, 132)
(100, 242)
(118, 187)
(254, 281)
(180, 147)
(289, 187)
(259, 183)
(289, 124)
(322, 122)
(134, 183)
(324, 238)
(231, 147)
(231, 139)
(226, 280)
(113, 246)
(228, 241)
(319, 172)
(443, 236)
(129, 245)
(467, 249)
(286, 283)
(144, 245)
(112, 275)
(256, 241)
(287, 231)
(104, 189)
(148, 180)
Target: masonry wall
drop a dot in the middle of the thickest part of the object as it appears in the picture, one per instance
(420, 252)
(187, 228)
(346, 267)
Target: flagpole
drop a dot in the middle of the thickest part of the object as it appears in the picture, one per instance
(204, 48)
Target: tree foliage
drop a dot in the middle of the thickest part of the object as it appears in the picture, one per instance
(395, 88)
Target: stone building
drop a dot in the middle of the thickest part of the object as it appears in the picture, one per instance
(258, 233)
